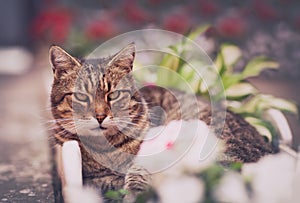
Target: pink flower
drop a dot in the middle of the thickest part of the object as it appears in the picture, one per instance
(286, 1)
(297, 22)
(169, 145)
(178, 146)
(100, 29)
(155, 2)
(211, 32)
(135, 13)
(208, 8)
(232, 26)
(177, 22)
(264, 10)
(53, 25)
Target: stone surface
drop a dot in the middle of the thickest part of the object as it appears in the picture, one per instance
(24, 152)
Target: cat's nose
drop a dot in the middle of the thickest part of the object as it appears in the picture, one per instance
(100, 118)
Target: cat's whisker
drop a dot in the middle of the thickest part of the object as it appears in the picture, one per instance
(129, 119)
(131, 115)
(126, 122)
(128, 125)
(131, 122)
(144, 103)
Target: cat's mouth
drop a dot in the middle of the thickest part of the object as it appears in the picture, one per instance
(99, 128)
(102, 128)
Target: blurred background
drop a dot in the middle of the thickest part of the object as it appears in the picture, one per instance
(29, 27)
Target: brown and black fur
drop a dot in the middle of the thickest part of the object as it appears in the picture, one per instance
(97, 79)
(243, 142)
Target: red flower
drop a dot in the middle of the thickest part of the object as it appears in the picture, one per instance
(231, 26)
(177, 22)
(286, 1)
(101, 29)
(208, 8)
(52, 25)
(297, 22)
(155, 2)
(134, 13)
(264, 10)
(211, 32)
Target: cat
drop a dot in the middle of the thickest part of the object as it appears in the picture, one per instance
(97, 103)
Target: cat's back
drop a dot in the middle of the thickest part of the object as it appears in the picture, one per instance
(243, 142)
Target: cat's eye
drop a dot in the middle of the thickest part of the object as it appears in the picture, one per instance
(81, 97)
(113, 95)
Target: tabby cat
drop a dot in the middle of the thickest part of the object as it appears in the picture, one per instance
(97, 103)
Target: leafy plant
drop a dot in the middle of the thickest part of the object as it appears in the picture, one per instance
(211, 177)
(241, 96)
(116, 195)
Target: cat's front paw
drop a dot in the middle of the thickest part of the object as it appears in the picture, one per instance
(137, 180)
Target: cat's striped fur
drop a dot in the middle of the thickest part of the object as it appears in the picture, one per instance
(102, 89)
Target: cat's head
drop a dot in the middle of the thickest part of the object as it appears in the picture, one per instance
(97, 96)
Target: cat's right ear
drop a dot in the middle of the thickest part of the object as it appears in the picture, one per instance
(61, 61)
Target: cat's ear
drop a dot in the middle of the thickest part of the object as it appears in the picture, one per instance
(123, 60)
(61, 61)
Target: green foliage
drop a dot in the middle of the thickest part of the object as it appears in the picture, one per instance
(236, 166)
(211, 177)
(198, 31)
(242, 97)
(148, 196)
(240, 90)
(265, 128)
(117, 196)
(257, 65)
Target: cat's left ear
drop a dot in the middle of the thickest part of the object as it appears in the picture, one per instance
(123, 60)
(61, 61)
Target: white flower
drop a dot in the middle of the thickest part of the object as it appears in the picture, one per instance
(180, 189)
(272, 178)
(179, 146)
(232, 189)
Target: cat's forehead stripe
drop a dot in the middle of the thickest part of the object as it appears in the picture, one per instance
(105, 84)
(101, 80)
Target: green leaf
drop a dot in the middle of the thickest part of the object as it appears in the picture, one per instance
(258, 64)
(114, 195)
(280, 104)
(187, 72)
(227, 57)
(220, 65)
(198, 31)
(203, 88)
(261, 102)
(250, 106)
(212, 175)
(123, 192)
(231, 79)
(170, 61)
(236, 166)
(169, 64)
(264, 128)
(240, 90)
(231, 54)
